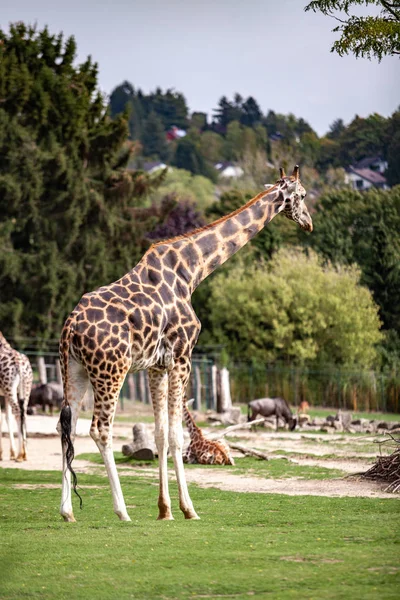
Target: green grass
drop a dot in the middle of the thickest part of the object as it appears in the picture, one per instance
(266, 546)
(376, 416)
(276, 468)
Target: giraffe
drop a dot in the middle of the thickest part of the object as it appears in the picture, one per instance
(145, 320)
(201, 450)
(15, 386)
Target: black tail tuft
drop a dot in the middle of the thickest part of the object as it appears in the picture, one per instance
(65, 422)
(21, 403)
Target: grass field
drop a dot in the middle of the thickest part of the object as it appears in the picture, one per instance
(245, 545)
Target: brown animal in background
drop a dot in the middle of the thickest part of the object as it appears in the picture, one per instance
(303, 407)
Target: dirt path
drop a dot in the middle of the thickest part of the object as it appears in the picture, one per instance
(44, 453)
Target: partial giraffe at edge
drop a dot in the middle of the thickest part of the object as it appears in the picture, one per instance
(145, 320)
(202, 451)
(15, 385)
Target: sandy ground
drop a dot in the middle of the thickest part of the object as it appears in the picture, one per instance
(44, 453)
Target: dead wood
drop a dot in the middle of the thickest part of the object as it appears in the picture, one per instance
(142, 447)
(248, 451)
(228, 430)
(387, 468)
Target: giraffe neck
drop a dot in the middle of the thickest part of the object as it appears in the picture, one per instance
(194, 431)
(195, 255)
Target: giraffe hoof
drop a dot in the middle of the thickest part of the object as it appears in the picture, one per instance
(123, 517)
(19, 458)
(69, 518)
(165, 518)
(192, 516)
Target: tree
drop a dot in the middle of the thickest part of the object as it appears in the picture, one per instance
(71, 214)
(363, 137)
(183, 217)
(352, 227)
(294, 310)
(393, 149)
(184, 186)
(364, 36)
(188, 156)
(251, 113)
(153, 138)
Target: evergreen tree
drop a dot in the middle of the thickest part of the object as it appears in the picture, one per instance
(153, 138)
(71, 214)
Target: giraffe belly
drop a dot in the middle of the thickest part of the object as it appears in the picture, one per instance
(160, 357)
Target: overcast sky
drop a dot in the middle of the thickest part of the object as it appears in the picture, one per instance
(271, 50)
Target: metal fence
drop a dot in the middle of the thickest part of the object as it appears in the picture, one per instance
(352, 390)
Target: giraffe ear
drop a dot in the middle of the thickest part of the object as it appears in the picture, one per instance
(296, 173)
(282, 173)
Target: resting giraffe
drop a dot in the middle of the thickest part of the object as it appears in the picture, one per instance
(201, 450)
(15, 386)
(145, 320)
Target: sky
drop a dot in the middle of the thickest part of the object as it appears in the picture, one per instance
(271, 50)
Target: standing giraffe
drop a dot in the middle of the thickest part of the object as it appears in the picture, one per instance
(145, 320)
(15, 386)
(201, 450)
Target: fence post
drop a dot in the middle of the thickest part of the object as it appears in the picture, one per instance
(131, 387)
(225, 400)
(58, 372)
(42, 369)
(197, 388)
(214, 374)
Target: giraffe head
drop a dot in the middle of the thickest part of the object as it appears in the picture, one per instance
(294, 193)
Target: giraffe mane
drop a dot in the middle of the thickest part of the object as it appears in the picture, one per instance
(185, 236)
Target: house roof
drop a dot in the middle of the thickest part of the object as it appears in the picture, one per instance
(153, 166)
(371, 176)
(366, 162)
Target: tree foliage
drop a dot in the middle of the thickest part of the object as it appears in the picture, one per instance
(72, 215)
(295, 310)
(364, 36)
(363, 228)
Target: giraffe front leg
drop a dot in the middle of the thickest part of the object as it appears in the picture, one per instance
(178, 378)
(158, 381)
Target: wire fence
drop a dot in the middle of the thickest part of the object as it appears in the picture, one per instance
(351, 390)
(336, 388)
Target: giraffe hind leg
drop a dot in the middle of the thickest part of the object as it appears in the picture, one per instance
(158, 380)
(105, 404)
(178, 378)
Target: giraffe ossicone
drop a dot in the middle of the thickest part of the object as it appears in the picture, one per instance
(145, 320)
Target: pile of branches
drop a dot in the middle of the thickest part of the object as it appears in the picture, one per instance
(387, 468)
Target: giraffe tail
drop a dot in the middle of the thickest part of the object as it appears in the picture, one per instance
(20, 395)
(65, 423)
(65, 426)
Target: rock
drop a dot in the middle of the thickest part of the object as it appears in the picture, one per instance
(338, 426)
(344, 418)
(383, 425)
(318, 422)
(232, 416)
(302, 419)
